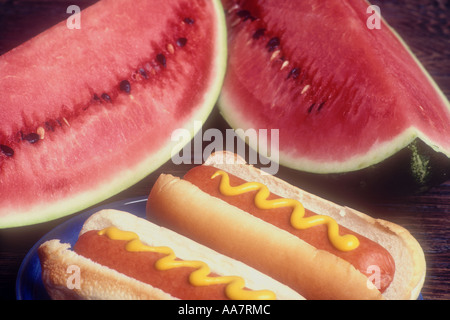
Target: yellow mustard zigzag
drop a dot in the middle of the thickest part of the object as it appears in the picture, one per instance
(344, 243)
(235, 285)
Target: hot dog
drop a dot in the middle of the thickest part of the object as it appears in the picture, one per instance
(121, 256)
(364, 259)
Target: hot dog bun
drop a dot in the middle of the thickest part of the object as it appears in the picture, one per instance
(316, 274)
(100, 282)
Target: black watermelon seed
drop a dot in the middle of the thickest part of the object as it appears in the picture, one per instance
(189, 20)
(310, 109)
(161, 59)
(32, 138)
(181, 42)
(106, 97)
(7, 151)
(295, 72)
(273, 44)
(143, 73)
(96, 97)
(243, 14)
(258, 33)
(125, 86)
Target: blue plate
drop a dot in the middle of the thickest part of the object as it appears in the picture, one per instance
(29, 284)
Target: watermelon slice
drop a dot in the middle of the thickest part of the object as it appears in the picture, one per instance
(343, 96)
(89, 112)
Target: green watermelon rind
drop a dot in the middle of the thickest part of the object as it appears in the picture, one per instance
(377, 154)
(123, 180)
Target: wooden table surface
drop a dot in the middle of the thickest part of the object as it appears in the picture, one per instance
(424, 25)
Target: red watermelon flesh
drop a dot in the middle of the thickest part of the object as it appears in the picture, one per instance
(344, 97)
(104, 99)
